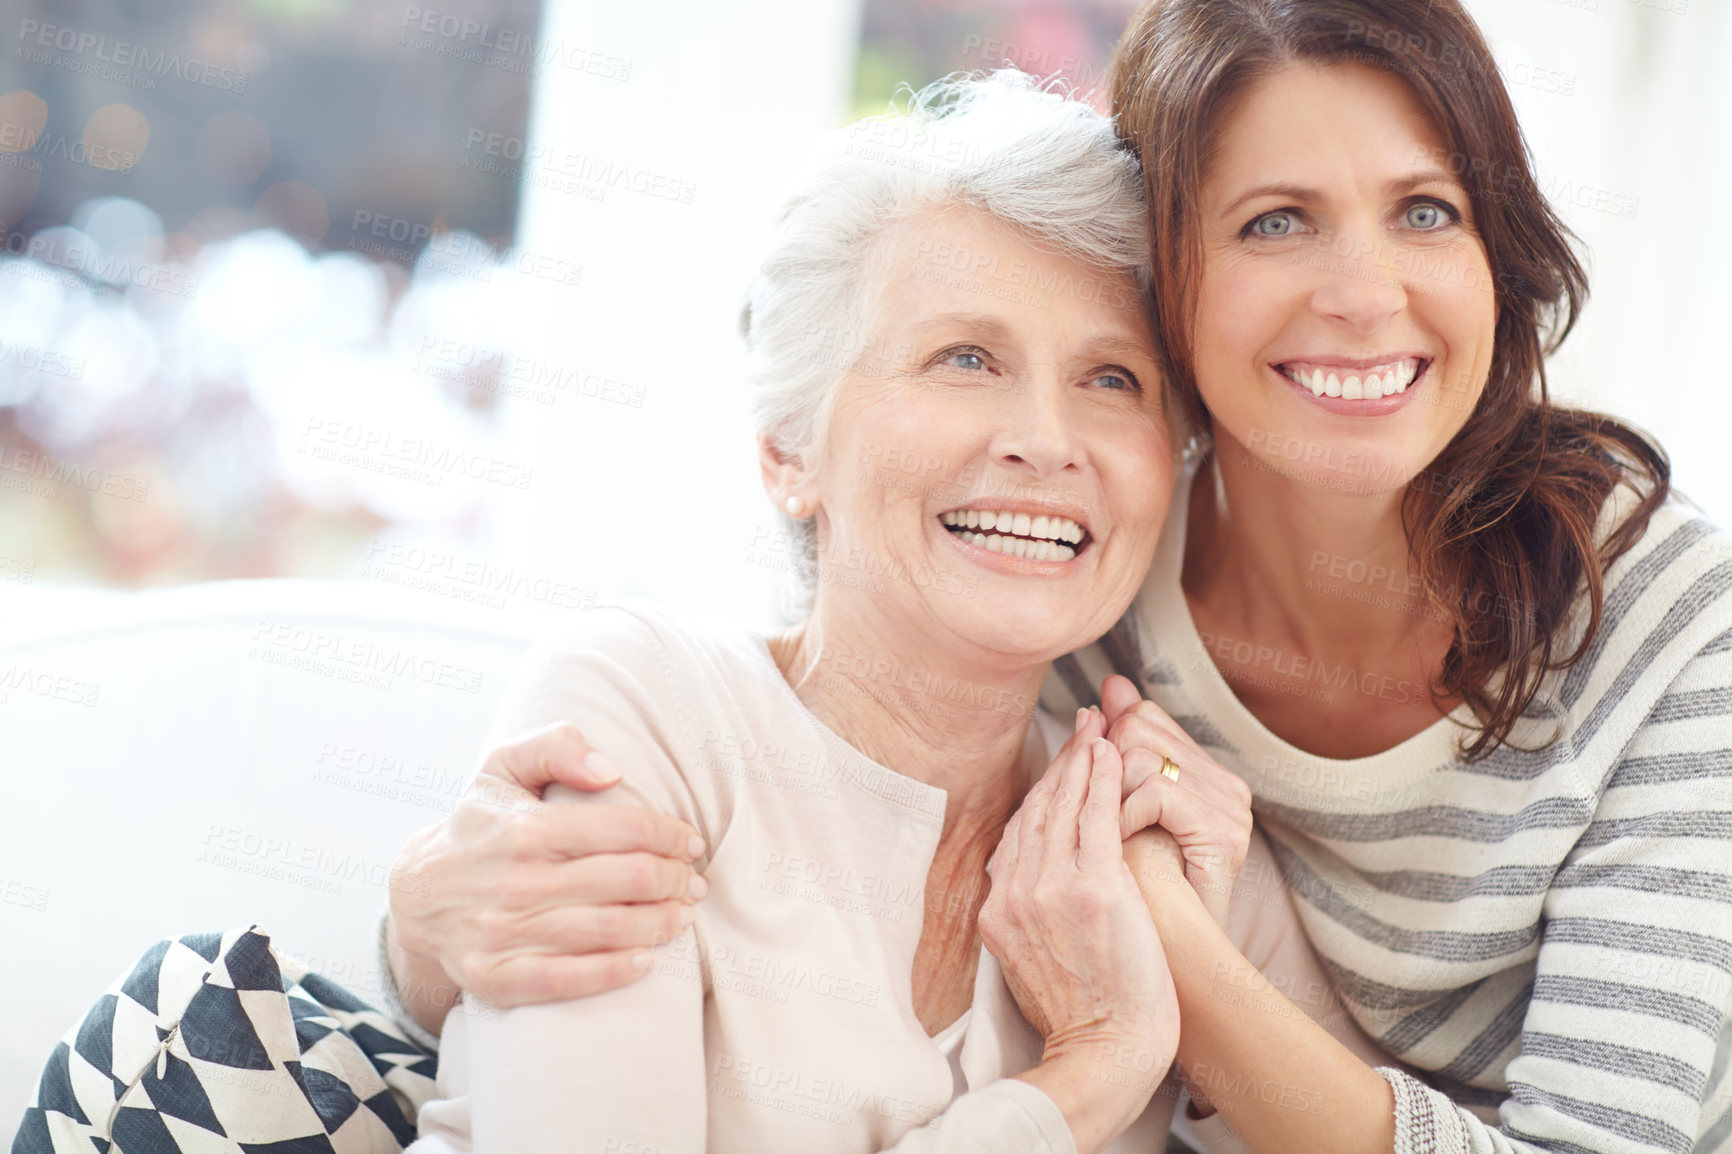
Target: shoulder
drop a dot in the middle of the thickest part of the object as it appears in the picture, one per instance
(1674, 581)
(631, 659)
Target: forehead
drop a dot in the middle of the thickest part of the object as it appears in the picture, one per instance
(965, 261)
(1313, 121)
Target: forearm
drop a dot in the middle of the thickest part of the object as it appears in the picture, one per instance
(1281, 1080)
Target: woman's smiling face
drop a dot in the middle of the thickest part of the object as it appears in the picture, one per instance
(1345, 312)
(1000, 460)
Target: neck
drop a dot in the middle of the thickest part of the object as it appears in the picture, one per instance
(1286, 557)
(915, 706)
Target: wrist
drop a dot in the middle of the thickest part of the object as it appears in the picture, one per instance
(423, 987)
(1101, 1086)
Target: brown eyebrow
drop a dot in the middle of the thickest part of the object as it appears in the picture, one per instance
(1302, 194)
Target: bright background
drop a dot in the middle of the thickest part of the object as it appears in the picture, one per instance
(315, 232)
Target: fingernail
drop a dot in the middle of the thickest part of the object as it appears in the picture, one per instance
(697, 887)
(601, 770)
(1082, 716)
(688, 915)
(695, 847)
(642, 961)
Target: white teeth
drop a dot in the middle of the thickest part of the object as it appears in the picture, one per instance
(1387, 381)
(1020, 546)
(1053, 534)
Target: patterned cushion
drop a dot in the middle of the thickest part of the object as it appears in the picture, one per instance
(211, 1046)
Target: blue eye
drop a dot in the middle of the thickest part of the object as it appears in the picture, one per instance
(1119, 381)
(1274, 224)
(1427, 217)
(970, 359)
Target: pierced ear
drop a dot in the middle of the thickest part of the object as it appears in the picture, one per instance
(785, 478)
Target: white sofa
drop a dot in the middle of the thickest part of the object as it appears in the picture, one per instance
(217, 755)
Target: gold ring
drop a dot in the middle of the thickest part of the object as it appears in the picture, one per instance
(1170, 769)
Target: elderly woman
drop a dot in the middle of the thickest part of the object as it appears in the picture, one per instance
(1465, 651)
(820, 999)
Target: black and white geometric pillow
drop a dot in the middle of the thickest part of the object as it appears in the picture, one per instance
(211, 1046)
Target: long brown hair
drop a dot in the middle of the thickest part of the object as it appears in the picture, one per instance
(1501, 526)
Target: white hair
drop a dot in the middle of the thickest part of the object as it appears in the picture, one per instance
(1036, 159)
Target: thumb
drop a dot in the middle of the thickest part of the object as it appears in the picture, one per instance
(1118, 695)
(558, 755)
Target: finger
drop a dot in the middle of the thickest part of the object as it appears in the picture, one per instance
(559, 753)
(1061, 841)
(609, 878)
(1094, 725)
(1158, 802)
(1118, 694)
(1039, 797)
(569, 831)
(532, 979)
(1099, 839)
(1198, 775)
(598, 929)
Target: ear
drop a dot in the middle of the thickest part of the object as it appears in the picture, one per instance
(784, 475)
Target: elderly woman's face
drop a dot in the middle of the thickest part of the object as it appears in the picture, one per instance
(998, 466)
(1345, 315)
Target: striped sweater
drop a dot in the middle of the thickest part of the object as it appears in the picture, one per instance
(1542, 939)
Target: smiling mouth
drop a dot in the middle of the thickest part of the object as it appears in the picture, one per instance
(1360, 384)
(1036, 537)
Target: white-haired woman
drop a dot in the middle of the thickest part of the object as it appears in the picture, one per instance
(820, 999)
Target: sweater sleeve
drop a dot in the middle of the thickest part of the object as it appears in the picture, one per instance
(622, 1069)
(1630, 994)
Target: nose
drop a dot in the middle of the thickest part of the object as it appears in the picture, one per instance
(1038, 433)
(1357, 288)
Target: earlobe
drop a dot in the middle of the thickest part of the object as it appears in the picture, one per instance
(784, 474)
